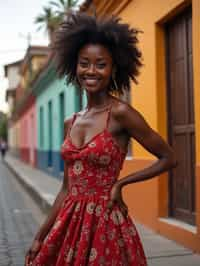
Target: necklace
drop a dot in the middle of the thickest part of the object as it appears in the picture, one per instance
(99, 109)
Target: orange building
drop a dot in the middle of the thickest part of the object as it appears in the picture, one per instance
(168, 96)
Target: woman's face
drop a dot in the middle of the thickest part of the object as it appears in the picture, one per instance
(94, 67)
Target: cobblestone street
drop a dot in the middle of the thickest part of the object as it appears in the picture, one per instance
(17, 222)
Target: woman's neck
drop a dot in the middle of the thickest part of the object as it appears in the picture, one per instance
(97, 101)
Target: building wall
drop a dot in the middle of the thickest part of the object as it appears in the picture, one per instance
(28, 135)
(11, 137)
(148, 201)
(10, 105)
(49, 157)
(14, 138)
(13, 76)
(38, 61)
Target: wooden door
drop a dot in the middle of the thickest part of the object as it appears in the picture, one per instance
(181, 116)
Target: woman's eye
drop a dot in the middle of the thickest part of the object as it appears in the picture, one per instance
(101, 65)
(83, 64)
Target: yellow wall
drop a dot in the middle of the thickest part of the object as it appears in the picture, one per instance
(148, 201)
(36, 63)
(153, 86)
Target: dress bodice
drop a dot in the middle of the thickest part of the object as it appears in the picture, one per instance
(94, 167)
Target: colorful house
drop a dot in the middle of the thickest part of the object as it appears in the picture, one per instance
(168, 95)
(11, 72)
(54, 103)
(22, 124)
(42, 102)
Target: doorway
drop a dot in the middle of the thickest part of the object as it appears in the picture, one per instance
(180, 109)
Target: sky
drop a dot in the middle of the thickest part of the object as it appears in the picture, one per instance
(16, 21)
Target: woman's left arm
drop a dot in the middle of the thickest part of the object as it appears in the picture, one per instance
(136, 126)
(138, 129)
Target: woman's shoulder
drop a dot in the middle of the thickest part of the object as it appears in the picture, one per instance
(120, 108)
(69, 119)
(129, 118)
(126, 115)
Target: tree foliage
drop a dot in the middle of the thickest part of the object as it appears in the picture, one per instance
(53, 14)
(62, 6)
(48, 20)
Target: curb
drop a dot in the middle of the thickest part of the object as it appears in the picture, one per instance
(43, 204)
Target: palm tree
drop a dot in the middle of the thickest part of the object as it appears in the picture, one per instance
(63, 5)
(48, 20)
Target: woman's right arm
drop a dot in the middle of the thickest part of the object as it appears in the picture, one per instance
(59, 199)
(42, 233)
(49, 221)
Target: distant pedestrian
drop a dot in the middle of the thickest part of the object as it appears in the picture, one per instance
(3, 148)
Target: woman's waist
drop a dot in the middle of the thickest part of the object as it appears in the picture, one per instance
(78, 191)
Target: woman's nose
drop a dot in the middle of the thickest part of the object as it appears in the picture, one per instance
(91, 69)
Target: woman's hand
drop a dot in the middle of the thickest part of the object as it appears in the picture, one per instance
(116, 197)
(32, 252)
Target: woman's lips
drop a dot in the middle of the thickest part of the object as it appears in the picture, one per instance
(90, 81)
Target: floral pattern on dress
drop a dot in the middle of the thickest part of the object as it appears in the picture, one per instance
(77, 167)
(86, 232)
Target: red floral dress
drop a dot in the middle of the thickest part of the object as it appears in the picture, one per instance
(86, 232)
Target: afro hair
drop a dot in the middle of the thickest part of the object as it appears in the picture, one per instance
(79, 29)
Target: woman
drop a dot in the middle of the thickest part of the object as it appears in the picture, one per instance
(89, 223)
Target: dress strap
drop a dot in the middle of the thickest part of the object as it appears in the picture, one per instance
(108, 116)
(75, 114)
(71, 124)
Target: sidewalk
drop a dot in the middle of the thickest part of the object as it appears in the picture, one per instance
(159, 250)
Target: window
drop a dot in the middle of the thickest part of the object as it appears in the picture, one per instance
(50, 129)
(41, 127)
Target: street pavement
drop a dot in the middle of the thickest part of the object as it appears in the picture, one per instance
(17, 222)
(20, 228)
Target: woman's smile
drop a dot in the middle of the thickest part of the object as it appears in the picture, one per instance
(94, 67)
(90, 81)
